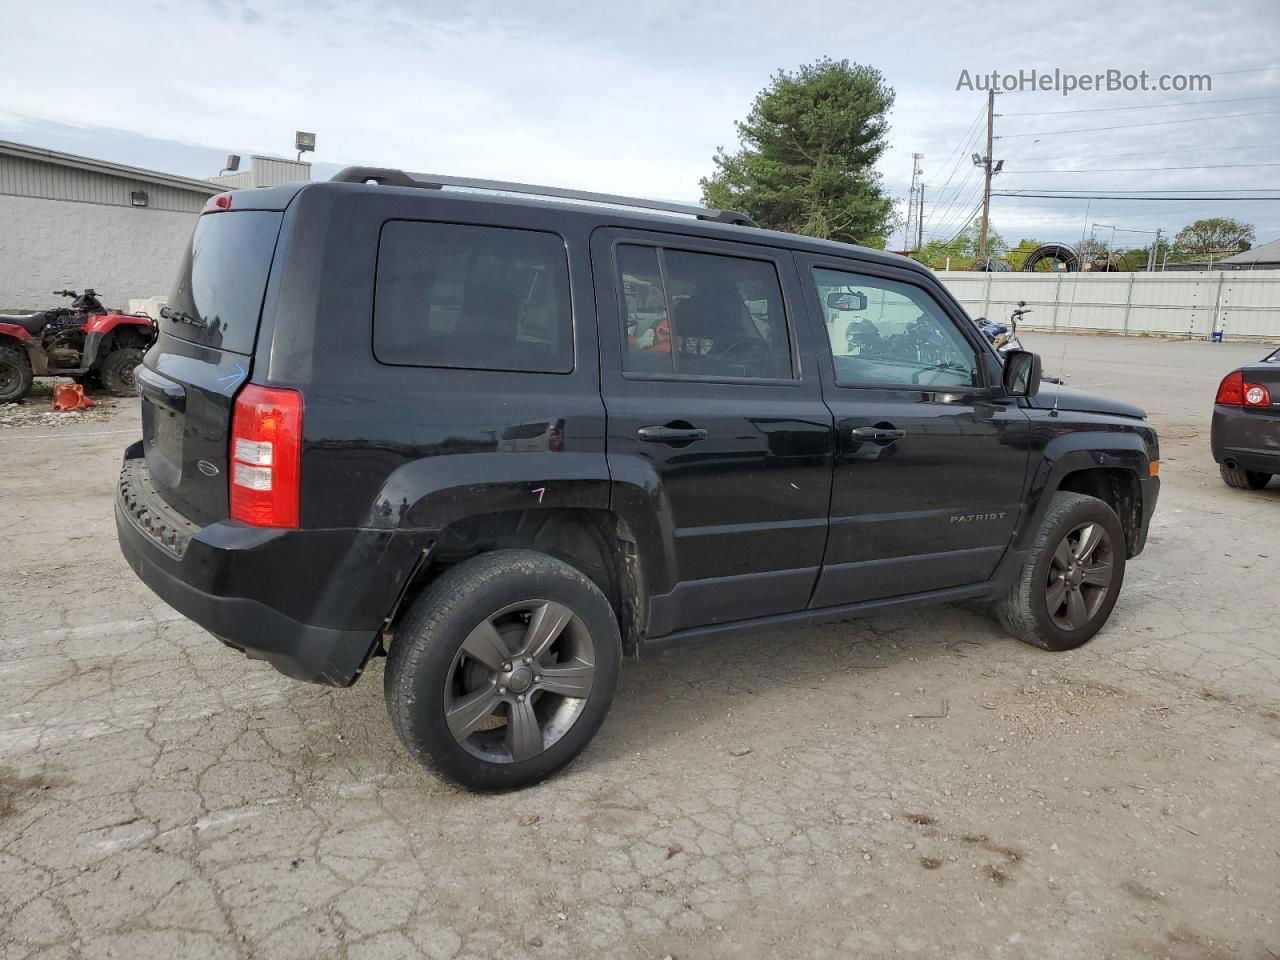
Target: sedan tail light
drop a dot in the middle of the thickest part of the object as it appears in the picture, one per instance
(1231, 389)
(1236, 392)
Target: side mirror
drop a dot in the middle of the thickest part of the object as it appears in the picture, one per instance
(845, 302)
(1021, 373)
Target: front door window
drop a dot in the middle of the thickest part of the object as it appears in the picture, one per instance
(887, 333)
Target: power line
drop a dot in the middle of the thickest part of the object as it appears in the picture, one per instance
(957, 227)
(956, 166)
(948, 192)
(1149, 123)
(945, 204)
(965, 225)
(960, 151)
(1155, 190)
(1218, 166)
(961, 185)
(1089, 196)
(937, 212)
(948, 222)
(1227, 73)
(1140, 106)
(1163, 153)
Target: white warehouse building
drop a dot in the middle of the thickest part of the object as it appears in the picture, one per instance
(73, 222)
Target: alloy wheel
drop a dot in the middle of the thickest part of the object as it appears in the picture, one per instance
(520, 681)
(1080, 575)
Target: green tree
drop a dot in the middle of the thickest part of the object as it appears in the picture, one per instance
(1213, 237)
(806, 161)
(962, 249)
(1018, 255)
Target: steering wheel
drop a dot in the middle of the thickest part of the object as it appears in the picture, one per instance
(751, 353)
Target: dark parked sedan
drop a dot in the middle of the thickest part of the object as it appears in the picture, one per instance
(1246, 424)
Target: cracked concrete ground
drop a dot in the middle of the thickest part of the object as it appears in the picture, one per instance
(912, 785)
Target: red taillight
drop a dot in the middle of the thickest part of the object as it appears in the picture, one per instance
(1231, 390)
(266, 457)
(221, 201)
(1234, 392)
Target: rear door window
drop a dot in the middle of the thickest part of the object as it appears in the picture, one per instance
(472, 297)
(218, 297)
(702, 315)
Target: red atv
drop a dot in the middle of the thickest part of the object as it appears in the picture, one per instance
(84, 341)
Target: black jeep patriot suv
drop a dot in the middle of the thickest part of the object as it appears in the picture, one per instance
(506, 439)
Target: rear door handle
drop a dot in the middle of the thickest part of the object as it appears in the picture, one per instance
(669, 434)
(878, 434)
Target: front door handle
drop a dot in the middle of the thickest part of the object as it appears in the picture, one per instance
(878, 434)
(671, 434)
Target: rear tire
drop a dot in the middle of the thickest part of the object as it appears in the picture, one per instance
(116, 371)
(1243, 479)
(1071, 577)
(463, 698)
(15, 374)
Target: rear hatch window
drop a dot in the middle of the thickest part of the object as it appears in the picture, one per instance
(189, 379)
(218, 296)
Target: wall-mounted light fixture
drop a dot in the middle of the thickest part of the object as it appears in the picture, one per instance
(138, 198)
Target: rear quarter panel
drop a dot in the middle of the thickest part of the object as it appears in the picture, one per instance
(413, 449)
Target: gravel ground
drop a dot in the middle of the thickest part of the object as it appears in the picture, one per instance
(910, 785)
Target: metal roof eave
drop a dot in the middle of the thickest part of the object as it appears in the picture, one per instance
(92, 165)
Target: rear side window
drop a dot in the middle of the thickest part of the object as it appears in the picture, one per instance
(702, 315)
(472, 297)
(218, 297)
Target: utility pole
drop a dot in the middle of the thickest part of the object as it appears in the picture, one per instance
(1155, 252)
(920, 222)
(911, 228)
(986, 173)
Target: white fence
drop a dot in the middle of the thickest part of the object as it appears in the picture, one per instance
(1241, 304)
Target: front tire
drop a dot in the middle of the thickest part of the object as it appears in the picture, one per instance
(15, 374)
(503, 669)
(1243, 479)
(117, 369)
(1071, 577)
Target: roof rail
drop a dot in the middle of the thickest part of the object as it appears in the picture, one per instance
(398, 178)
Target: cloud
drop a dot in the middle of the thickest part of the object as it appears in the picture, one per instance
(635, 98)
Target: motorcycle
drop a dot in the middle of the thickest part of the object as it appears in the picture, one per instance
(85, 341)
(1004, 338)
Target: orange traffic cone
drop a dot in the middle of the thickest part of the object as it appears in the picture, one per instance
(70, 396)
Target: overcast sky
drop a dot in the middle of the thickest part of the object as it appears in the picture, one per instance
(635, 97)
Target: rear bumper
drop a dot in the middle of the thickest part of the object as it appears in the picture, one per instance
(1246, 438)
(311, 603)
(1150, 489)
